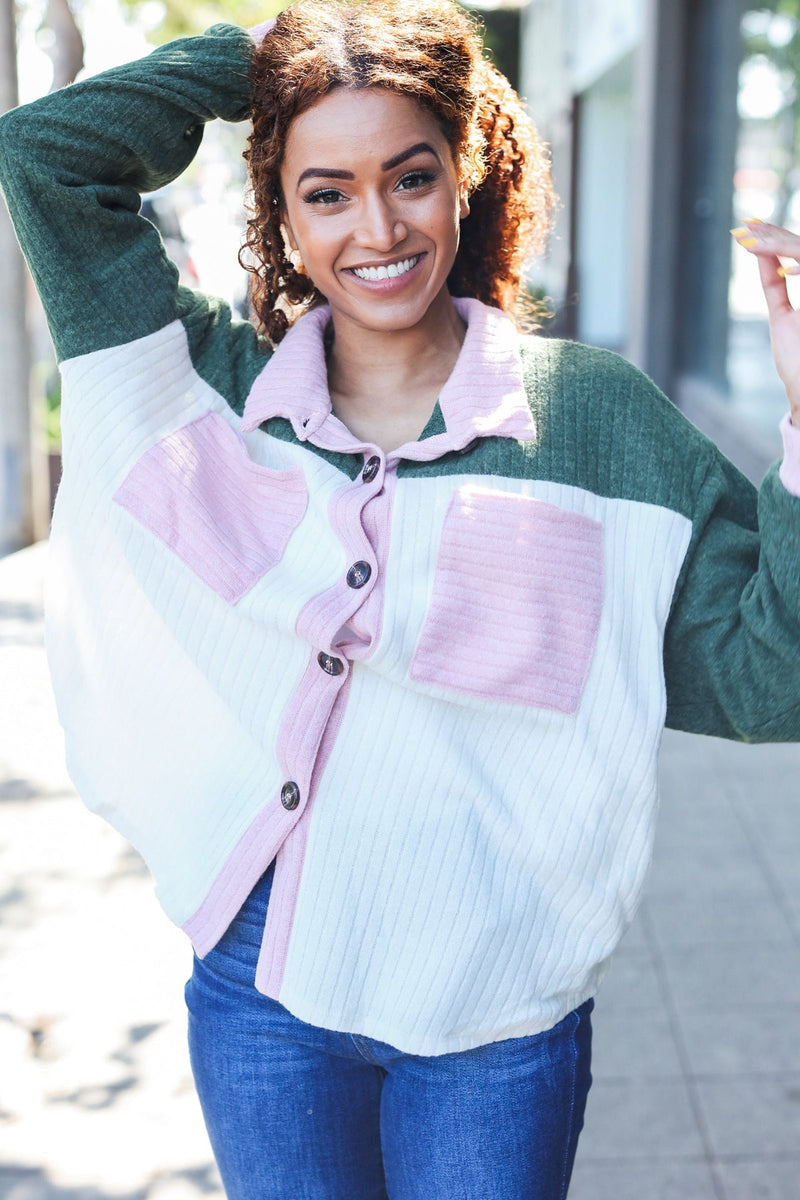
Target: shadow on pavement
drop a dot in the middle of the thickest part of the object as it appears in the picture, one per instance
(25, 789)
(25, 1183)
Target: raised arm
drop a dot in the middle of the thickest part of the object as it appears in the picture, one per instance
(73, 165)
(732, 648)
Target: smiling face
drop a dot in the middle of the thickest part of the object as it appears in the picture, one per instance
(372, 203)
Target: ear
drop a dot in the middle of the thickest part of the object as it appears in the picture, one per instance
(463, 197)
(288, 234)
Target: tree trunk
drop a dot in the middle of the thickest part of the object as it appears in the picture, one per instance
(67, 50)
(17, 524)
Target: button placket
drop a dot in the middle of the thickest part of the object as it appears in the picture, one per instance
(328, 672)
(331, 622)
(361, 570)
(303, 728)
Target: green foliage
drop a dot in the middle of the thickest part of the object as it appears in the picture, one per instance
(759, 40)
(786, 55)
(185, 17)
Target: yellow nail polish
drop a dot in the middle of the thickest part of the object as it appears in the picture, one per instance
(747, 242)
(783, 272)
(753, 221)
(740, 232)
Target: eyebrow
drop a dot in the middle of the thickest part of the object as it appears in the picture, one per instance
(390, 164)
(417, 148)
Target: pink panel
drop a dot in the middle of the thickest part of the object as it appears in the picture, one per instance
(224, 516)
(289, 867)
(516, 603)
(251, 856)
(308, 732)
(348, 621)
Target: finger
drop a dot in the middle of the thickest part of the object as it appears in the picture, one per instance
(774, 286)
(759, 237)
(745, 234)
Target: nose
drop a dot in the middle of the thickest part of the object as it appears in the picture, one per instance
(380, 227)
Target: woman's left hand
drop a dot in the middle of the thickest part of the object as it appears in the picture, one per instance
(259, 32)
(770, 244)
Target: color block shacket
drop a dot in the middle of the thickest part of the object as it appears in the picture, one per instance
(431, 684)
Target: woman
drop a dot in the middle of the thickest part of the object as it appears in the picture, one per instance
(367, 643)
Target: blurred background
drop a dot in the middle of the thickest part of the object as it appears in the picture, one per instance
(668, 121)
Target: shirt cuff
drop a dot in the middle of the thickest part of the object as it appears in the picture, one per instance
(790, 467)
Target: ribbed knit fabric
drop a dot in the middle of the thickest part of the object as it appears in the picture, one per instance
(430, 683)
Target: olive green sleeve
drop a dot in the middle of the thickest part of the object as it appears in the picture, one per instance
(732, 647)
(73, 165)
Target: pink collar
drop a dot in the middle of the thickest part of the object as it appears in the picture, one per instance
(484, 396)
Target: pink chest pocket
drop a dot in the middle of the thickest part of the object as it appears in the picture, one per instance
(227, 518)
(516, 604)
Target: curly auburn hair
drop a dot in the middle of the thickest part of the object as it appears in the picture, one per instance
(432, 51)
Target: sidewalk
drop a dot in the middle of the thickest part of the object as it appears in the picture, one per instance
(96, 1096)
(697, 1052)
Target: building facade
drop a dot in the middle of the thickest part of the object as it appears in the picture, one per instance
(655, 152)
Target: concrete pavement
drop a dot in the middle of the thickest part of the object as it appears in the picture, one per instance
(697, 1055)
(96, 1096)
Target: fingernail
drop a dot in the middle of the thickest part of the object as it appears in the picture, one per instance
(747, 242)
(740, 232)
(783, 272)
(753, 221)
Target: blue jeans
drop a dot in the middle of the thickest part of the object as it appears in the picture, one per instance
(295, 1112)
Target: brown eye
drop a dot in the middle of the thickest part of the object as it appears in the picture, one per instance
(324, 196)
(415, 179)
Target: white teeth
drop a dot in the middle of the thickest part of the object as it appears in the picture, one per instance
(375, 274)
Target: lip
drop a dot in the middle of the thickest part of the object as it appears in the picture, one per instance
(383, 286)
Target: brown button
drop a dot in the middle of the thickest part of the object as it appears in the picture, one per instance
(290, 795)
(329, 664)
(358, 574)
(371, 468)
